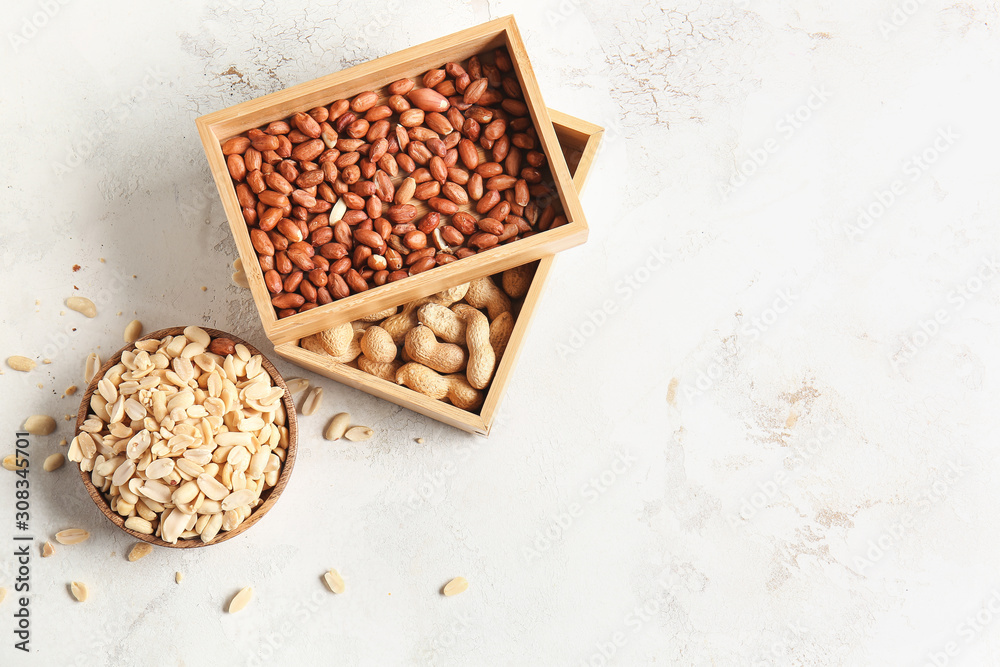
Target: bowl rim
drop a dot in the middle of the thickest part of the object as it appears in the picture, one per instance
(270, 496)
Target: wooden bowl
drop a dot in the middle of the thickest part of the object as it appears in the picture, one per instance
(270, 496)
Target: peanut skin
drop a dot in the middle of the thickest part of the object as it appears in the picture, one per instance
(380, 315)
(484, 293)
(313, 344)
(500, 330)
(376, 345)
(516, 281)
(445, 324)
(386, 371)
(453, 387)
(424, 348)
(420, 378)
(399, 324)
(462, 394)
(337, 341)
(482, 358)
(451, 295)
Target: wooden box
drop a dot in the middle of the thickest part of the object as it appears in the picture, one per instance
(579, 141)
(376, 75)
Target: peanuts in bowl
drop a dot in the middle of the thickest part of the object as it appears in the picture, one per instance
(185, 437)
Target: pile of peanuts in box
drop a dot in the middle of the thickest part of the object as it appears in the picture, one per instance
(445, 346)
(392, 183)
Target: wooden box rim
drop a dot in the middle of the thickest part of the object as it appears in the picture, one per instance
(482, 422)
(376, 73)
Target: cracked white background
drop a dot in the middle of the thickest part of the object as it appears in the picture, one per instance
(775, 446)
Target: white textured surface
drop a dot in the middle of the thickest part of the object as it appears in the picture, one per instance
(750, 458)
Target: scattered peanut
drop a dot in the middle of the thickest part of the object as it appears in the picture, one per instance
(19, 363)
(358, 433)
(132, 331)
(334, 582)
(40, 425)
(178, 577)
(79, 591)
(296, 385)
(241, 600)
(70, 390)
(455, 586)
(140, 550)
(53, 462)
(82, 305)
(338, 426)
(91, 367)
(13, 463)
(312, 401)
(47, 549)
(72, 536)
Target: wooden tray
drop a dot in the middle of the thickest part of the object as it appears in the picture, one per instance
(579, 141)
(221, 125)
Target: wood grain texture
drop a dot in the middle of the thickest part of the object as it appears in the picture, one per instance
(579, 141)
(269, 496)
(218, 126)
